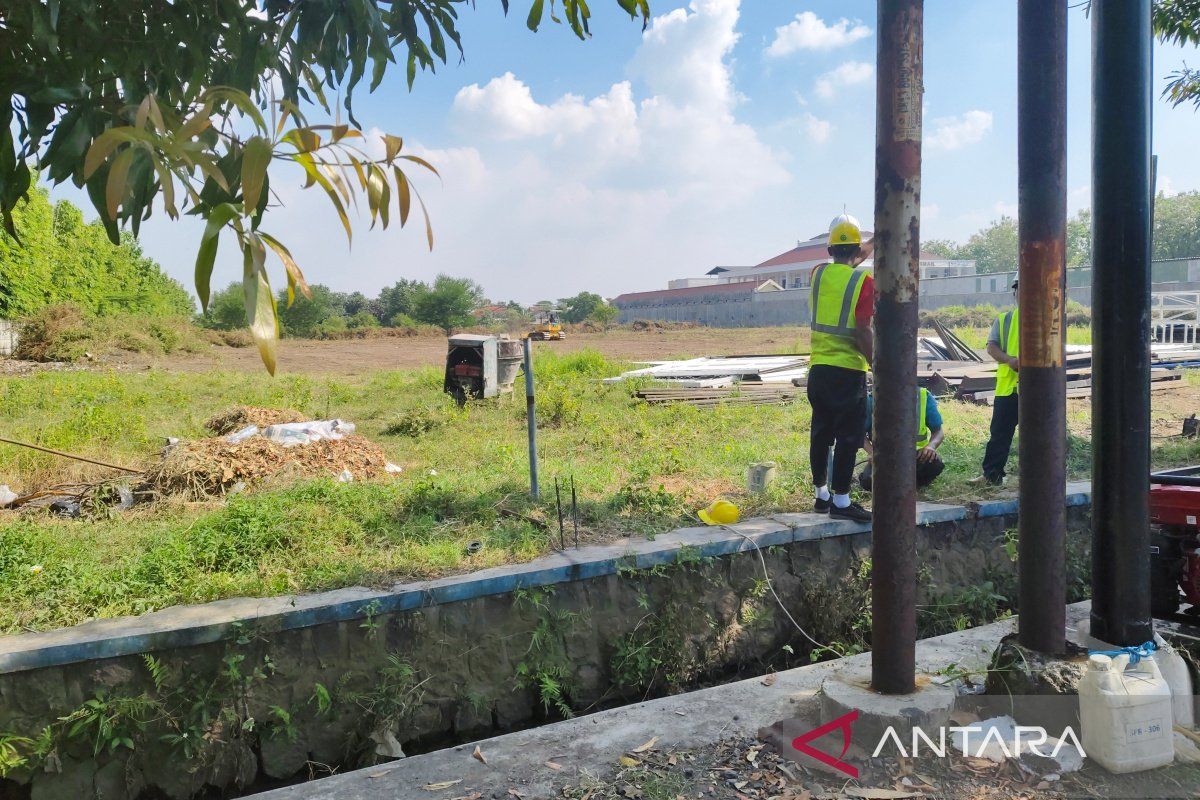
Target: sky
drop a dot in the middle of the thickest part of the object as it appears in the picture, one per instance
(720, 135)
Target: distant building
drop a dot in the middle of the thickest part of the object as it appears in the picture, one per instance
(793, 269)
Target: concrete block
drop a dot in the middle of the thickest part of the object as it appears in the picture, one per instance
(929, 707)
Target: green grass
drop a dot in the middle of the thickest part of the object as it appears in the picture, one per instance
(977, 337)
(638, 470)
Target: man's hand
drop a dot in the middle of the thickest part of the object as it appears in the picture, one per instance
(925, 455)
(864, 253)
(1015, 363)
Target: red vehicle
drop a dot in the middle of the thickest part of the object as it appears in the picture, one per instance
(1175, 541)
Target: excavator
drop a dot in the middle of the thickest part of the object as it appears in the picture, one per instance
(546, 327)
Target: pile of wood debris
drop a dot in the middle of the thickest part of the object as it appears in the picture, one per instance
(205, 468)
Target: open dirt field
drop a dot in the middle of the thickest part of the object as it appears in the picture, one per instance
(361, 356)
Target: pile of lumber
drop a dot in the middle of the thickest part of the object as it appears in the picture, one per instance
(976, 383)
(752, 394)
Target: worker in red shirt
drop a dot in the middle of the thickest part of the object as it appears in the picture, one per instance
(843, 345)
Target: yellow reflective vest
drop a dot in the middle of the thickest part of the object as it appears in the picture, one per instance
(835, 292)
(923, 434)
(1010, 343)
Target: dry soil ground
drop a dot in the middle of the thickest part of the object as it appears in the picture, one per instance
(359, 356)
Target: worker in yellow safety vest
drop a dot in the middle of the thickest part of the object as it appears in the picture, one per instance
(1004, 346)
(929, 438)
(841, 304)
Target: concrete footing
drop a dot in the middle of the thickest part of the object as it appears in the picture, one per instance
(929, 707)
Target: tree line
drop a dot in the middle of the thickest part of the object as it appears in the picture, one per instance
(56, 257)
(447, 303)
(995, 248)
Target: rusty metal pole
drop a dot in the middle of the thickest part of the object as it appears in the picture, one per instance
(1042, 197)
(899, 93)
(1122, 47)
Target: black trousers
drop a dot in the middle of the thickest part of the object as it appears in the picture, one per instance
(838, 397)
(1004, 425)
(927, 473)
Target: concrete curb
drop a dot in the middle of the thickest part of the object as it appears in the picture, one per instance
(185, 626)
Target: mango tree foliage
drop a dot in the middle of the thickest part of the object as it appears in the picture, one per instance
(60, 258)
(188, 103)
(1178, 22)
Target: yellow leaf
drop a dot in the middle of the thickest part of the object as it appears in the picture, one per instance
(434, 787)
(629, 761)
(295, 276)
(552, 765)
(168, 188)
(118, 175)
(405, 198)
(392, 145)
(143, 113)
(423, 163)
(479, 756)
(256, 157)
(641, 748)
(260, 302)
(196, 124)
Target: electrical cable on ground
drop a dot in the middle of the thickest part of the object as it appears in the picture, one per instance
(771, 586)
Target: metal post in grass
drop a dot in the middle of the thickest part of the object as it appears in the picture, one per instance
(531, 421)
(897, 240)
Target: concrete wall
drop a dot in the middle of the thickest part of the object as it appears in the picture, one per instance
(8, 338)
(790, 307)
(758, 309)
(244, 694)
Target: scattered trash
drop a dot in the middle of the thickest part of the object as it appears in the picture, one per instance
(126, 495)
(345, 476)
(1000, 742)
(1186, 749)
(204, 468)
(479, 756)
(36, 569)
(291, 434)
(393, 469)
(238, 417)
(474, 546)
(760, 476)
(66, 508)
(433, 472)
(387, 745)
(7, 495)
(242, 435)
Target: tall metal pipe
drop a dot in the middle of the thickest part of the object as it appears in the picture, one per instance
(531, 421)
(899, 93)
(1121, 212)
(1042, 198)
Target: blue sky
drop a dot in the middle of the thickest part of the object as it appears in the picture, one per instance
(724, 133)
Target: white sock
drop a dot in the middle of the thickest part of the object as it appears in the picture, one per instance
(841, 500)
(823, 493)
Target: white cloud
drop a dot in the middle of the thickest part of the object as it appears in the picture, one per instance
(1165, 187)
(1004, 209)
(809, 32)
(851, 73)
(951, 133)
(819, 130)
(610, 193)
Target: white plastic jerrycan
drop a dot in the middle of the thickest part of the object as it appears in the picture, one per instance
(1126, 714)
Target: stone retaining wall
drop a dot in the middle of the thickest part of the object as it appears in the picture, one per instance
(253, 693)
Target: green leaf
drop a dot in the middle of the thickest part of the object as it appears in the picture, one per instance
(535, 16)
(217, 219)
(256, 157)
(115, 189)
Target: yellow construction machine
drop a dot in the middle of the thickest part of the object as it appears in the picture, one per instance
(546, 327)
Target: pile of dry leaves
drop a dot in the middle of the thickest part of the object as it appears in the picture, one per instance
(204, 468)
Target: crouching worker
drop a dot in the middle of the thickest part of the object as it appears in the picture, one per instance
(929, 439)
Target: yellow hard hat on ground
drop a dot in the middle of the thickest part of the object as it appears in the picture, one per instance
(720, 512)
(845, 230)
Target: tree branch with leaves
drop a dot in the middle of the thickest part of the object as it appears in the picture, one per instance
(190, 103)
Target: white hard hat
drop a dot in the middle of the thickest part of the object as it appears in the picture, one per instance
(840, 218)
